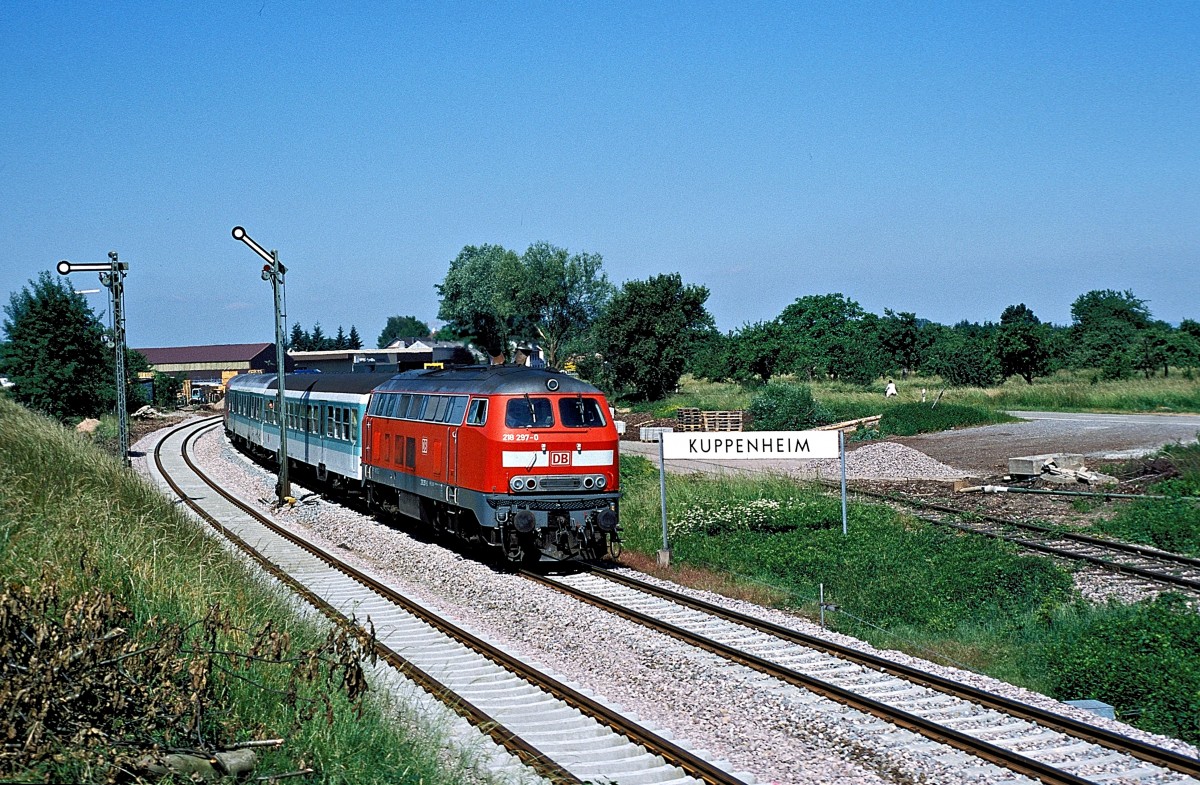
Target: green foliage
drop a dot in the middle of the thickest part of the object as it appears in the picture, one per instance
(756, 351)
(1022, 344)
(908, 419)
(1171, 524)
(965, 356)
(402, 327)
(646, 333)
(1142, 659)
(786, 407)
(55, 351)
(167, 388)
(479, 297)
(561, 295)
(830, 336)
(1104, 321)
(904, 340)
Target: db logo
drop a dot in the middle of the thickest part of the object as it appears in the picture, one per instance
(424, 446)
(560, 459)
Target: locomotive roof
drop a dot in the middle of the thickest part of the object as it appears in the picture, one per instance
(487, 380)
(354, 383)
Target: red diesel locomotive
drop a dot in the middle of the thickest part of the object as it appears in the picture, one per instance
(522, 459)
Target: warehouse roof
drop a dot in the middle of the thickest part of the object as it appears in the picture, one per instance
(219, 353)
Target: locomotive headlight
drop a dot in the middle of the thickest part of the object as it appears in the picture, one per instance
(588, 482)
(601, 482)
(516, 483)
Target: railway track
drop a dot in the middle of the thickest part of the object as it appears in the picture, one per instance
(1025, 739)
(554, 729)
(1140, 563)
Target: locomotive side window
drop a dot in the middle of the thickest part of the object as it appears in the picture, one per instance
(526, 412)
(580, 412)
(437, 410)
(478, 413)
(454, 415)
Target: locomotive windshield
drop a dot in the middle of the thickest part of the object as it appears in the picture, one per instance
(526, 412)
(580, 412)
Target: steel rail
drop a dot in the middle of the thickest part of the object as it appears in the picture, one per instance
(1084, 730)
(1008, 759)
(527, 754)
(1112, 566)
(686, 760)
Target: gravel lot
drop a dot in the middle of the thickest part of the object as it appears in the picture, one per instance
(738, 715)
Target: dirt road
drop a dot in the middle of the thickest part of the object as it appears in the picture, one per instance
(985, 451)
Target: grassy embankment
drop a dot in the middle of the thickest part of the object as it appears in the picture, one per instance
(131, 628)
(900, 583)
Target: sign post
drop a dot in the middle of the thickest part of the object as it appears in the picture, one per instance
(112, 275)
(274, 271)
(746, 445)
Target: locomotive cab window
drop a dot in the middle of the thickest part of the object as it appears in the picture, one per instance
(527, 412)
(580, 412)
(477, 415)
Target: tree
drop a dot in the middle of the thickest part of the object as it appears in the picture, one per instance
(709, 356)
(965, 355)
(167, 388)
(339, 340)
(1105, 324)
(559, 296)
(646, 330)
(1021, 344)
(317, 339)
(55, 352)
(903, 341)
(829, 335)
(400, 327)
(755, 351)
(298, 340)
(354, 341)
(479, 296)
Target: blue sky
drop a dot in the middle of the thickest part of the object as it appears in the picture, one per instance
(944, 158)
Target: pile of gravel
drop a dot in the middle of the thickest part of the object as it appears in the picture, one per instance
(887, 461)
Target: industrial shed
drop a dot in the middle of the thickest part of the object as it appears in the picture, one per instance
(209, 367)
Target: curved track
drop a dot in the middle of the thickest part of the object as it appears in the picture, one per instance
(1026, 739)
(559, 732)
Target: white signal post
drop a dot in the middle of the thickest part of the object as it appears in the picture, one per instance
(274, 272)
(112, 275)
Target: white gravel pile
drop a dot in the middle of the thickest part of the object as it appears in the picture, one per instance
(887, 461)
(780, 734)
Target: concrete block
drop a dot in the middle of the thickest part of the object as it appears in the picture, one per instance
(1031, 465)
(1098, 708)
(652, 434)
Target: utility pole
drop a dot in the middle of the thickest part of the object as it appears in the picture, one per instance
(112, 276)
(274, 272)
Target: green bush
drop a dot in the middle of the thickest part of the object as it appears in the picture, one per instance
(1142, 659)
(907, 419)
(786, 407)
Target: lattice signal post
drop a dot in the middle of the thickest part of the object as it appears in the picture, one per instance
(112, 276)
(274, 272)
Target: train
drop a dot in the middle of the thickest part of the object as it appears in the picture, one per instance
(522, 460)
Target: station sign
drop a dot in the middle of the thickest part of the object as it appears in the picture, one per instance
(751, 445)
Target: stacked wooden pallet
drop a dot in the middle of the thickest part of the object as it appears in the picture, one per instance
(689, 419)
(722, 421)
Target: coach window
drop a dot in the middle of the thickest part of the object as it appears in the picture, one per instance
(526, 412)
(354, 425)
(477, 413)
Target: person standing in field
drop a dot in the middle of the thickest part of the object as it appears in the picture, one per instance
(890, 391)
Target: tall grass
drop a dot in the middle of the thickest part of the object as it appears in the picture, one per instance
(73, 518)
(901, 583)
(1063, 391)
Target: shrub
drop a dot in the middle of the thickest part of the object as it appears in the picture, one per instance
(786, 407)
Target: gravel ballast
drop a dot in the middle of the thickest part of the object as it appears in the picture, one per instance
(760, 726)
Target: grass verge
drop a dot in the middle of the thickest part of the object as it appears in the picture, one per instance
(160, 640)
(901, 583)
